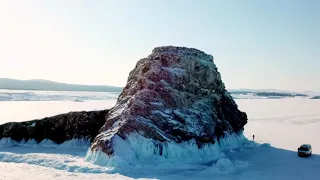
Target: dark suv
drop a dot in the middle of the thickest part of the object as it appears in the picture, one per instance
(305, 150)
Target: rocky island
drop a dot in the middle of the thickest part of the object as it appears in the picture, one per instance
(172, 97)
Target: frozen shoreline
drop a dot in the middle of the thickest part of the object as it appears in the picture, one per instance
(283, 123)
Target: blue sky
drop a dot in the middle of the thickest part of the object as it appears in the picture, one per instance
(256, 44)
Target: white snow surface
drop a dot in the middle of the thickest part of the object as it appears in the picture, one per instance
(29, 95)
(30, 110)
(279, 126)
(17, 171)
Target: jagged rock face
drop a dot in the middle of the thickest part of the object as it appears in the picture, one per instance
(59, 128)
(175, 94)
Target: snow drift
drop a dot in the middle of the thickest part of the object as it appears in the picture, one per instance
(175, 106)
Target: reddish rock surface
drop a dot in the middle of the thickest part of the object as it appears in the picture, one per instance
(175, 94)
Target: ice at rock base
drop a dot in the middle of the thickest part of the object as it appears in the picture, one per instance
(137, 150)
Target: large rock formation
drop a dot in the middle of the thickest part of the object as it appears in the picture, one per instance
(59, 128)
(174, 95)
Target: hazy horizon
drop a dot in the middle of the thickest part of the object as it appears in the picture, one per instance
(107, 85)
(255, 44)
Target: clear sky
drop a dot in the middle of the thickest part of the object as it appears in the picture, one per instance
(272, 44)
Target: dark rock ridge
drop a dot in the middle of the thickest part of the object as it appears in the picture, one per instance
(175, 94)
(57, 128)
(315, 97)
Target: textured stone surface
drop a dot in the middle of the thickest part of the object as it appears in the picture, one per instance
(57, 128)
(175, 94)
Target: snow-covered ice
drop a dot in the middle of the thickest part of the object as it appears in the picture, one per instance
(279, 126)
(284, 123)
(18, 111)
(223, 165)
(17, 171)
(29, 95)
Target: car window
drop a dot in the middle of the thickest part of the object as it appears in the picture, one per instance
(304, 148)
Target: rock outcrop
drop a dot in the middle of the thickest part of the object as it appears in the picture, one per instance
(174, 95)
(59, 128)
(315, 97)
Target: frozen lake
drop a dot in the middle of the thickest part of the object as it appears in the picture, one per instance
(277, 121)
(284, 123)
(18, 111)
(21, 105)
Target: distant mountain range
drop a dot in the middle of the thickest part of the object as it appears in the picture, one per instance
(46, 85)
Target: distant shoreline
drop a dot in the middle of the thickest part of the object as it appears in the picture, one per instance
(1, 89)
(46, 85)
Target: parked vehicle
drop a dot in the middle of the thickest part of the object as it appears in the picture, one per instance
(305, 150)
